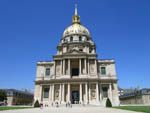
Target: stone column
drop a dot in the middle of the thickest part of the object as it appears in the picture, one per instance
(50, 93)
(53, 92)
(61, 67)
(88, 66)
(86, 92)
(85, 66)
(89, 93)
(64, 67)
(80, 72)
(97, 92)
(110, 92)
(95, 66)
(63, 92)
(68, 66)
(68, 92)
(81, 93)
(100, 93)
(60, 91)
(41, 93)
(55, 68)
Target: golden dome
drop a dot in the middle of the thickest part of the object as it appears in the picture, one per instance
(76, 27)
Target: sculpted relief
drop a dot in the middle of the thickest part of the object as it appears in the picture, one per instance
(75, 48)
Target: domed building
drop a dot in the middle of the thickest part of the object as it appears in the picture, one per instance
(76, 75)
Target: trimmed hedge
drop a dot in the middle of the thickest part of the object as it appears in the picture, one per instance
(36, 104)
(108, 103)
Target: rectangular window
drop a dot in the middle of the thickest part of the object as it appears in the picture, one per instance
(46, 92)
(47, 72)
(103, 70)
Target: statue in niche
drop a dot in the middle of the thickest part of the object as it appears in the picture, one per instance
(57, 94)
(93, 94)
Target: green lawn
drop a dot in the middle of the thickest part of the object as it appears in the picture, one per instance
(11, 108)
(145, 109)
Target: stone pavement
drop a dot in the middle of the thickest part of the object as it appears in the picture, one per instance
(74, 109)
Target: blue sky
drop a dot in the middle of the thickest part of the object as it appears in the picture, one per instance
(31, 29)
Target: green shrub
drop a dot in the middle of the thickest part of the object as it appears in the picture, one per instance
(108, 103)
(36, 104)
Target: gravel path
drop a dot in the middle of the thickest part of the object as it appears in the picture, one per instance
(70, 110)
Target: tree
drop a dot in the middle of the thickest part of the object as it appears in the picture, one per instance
(36, 104)
(3, 95)
(108, 103)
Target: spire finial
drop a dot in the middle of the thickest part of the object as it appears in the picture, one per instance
(76, 18)
(76, 10)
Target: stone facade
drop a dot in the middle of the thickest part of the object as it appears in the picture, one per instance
(76, 75)
(136, 97)
(17, 97)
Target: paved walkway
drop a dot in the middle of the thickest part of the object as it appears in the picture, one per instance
(69, 110)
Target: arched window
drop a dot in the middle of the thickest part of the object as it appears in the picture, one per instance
(71, 39)
(80, 38)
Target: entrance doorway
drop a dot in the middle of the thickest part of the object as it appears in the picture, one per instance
(75, 97)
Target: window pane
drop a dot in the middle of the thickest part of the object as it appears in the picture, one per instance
(47, 73)
(103, 70)
(46, 92)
